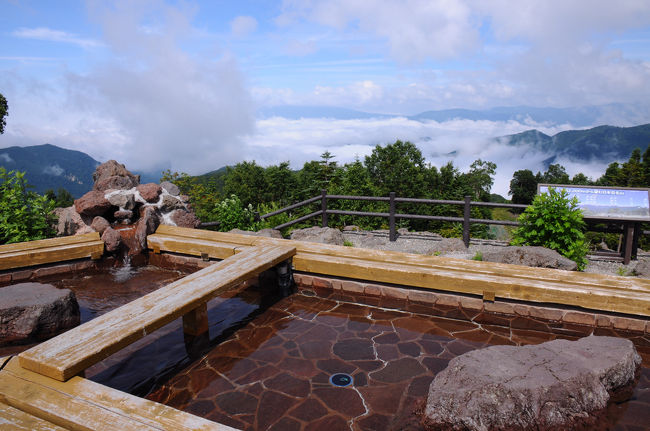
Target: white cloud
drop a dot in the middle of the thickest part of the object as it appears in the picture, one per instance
(47, 34)
(150, 105)
(243, 26)
(55, 170)
(413, 29)
(280, 139)
(6, 157)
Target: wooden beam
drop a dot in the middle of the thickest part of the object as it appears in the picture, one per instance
(39, 256)
(75, 350)
(81, 404)
(191, 246)
(50, 242)
(599, 298)
(14, 419)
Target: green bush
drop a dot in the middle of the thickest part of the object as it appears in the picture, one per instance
(24, 215)
(232, 214)
(554, 221)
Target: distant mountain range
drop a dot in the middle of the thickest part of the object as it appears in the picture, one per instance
(577, 117)
(598, 143)
(51, 167)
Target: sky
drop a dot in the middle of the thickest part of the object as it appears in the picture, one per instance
(158, 84)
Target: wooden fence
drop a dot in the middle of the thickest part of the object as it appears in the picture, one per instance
(392, 215)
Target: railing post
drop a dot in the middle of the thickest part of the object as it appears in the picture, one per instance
(391, 218)
(466, 214)
(323, 206)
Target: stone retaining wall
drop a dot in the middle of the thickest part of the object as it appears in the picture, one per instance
(522, 318)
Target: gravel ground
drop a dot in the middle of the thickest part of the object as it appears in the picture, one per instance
(428, 243)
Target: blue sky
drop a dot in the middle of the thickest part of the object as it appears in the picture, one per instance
(154, 83)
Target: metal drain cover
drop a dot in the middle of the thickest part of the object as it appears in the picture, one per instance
(341, 379)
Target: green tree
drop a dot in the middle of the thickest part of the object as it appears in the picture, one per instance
(554, 221)
(523, 187)
(282, 183)
(62, 198)
(248, 182)
(631, 173)
(4, 111)
(555, 174)
(611, 177)
(480, 178)
(24, 215)
(646, 166)
(581, 179)
(398, 168)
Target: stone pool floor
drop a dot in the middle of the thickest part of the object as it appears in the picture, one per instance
(274, 374)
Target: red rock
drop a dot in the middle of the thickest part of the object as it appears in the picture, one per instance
(149, 192)
(112, 239)
(329, 423)
(398, 371)
(92, 203)
(100, 224)
(148, 223)
(354, 349)
(288, 384)
(184, 218)
(70, 222)
(113, 175)
(272, 407)
(237, 402)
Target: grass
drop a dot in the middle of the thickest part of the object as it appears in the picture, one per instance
(348, 243)
(478, 256)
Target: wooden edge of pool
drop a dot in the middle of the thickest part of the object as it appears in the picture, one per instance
(31, 401)
(485, 279)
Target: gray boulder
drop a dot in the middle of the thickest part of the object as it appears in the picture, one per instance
(559, 384)
(122, 199)
(100, 224)
(448, 245)
(530, 256)
(642, 268)
(31, 312)
(171, 188)
(70, 222)
(323, 235)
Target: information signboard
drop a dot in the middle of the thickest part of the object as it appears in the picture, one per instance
(608, 202)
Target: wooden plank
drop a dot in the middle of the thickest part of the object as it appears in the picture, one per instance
(81, 404)
(191, 246)
(39, 256)
(14, 419)
(599, 298)
(75, 350)
(461, 269)
(50, 242)
(444, 263)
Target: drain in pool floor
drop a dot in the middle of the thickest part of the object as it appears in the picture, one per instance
(341, 379)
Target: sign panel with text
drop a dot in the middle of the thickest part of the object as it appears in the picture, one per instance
(608, 202)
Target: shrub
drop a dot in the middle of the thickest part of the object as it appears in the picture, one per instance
(232, 214)
(554, 221)
(24, 215)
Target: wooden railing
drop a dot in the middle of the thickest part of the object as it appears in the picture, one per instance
(392, 215)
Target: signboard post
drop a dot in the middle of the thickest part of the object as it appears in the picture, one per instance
(629, 206)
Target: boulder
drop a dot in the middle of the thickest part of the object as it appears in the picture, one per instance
(147, 224)
(642, 268)
(92, 204)
(555, 385)
(100, 224)
(125, 200)
(31, 312)
(112, 239)
(113, 175)
(171, 203)
(149, 192)
(324, 235)
(448, 245)
(530, 256)
(184, 218)
(123, 216)
(170, 188)
(70, 222)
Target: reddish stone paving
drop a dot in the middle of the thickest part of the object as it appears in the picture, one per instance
(274, 373)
